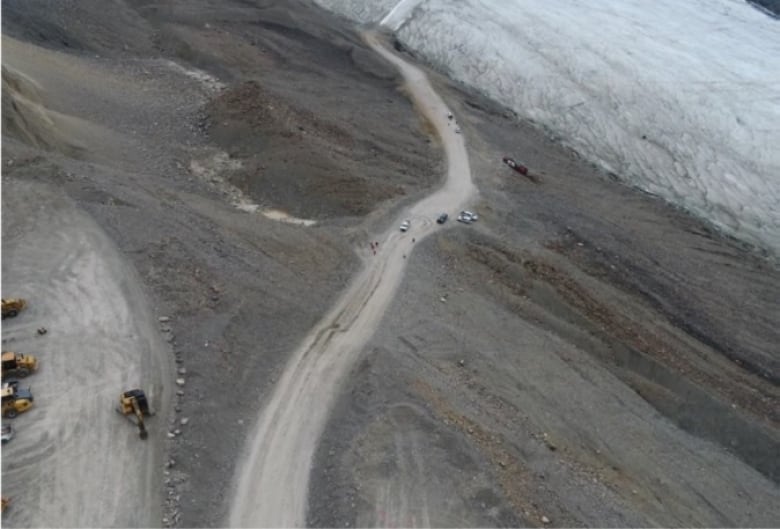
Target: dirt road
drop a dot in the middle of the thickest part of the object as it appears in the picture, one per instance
(273, 484)
(585, 353)
(74, 461)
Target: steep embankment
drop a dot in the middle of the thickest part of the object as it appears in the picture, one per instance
(26, 117)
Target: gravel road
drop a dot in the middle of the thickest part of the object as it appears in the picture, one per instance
(584, 354)
(273, 485)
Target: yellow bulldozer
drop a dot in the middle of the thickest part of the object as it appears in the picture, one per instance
(12, 306)
(17, 364)
(15, 400)
(133, 404)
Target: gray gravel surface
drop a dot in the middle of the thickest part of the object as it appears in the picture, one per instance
(599, 358)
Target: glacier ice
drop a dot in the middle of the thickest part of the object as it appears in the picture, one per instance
(681, 99)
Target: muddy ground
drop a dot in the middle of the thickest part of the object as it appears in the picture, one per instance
(583, 353)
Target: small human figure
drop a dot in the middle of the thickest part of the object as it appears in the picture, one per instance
(412, 239)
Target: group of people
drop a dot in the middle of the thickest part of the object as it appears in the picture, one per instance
(375, 246)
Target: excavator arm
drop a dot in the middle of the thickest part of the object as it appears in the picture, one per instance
(140, 418)
(134, 402)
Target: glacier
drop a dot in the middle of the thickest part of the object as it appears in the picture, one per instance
(680, 98)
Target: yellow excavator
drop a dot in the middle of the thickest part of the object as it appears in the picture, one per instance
(17, 365)
(12, 306)
(16, 400)
(133, 403)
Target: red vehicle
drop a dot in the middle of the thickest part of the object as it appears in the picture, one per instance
(522, 169)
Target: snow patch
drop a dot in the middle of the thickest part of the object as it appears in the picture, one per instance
(399, 14)
(215, 169)
(281, 216)
(206, 80)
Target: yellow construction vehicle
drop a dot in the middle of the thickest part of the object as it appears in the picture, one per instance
(134, 403)
(12, 306)
(15, 400)
(17, 365)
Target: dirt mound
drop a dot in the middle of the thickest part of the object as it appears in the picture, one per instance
(26, 118)
(290, 152)
(298, 161)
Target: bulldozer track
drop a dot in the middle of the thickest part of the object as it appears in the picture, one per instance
(101, 338)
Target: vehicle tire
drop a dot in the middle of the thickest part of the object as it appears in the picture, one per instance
(22, 373)
(11, 413)
(12, 313)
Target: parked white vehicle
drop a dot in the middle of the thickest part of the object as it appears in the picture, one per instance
(8, 433)
(405, 225)
(467, 217)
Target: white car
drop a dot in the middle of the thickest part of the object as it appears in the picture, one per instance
(405, 225)
(8, 433)
(468, 217)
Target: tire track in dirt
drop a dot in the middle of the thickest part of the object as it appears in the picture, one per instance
(272, 484)
(101, 340)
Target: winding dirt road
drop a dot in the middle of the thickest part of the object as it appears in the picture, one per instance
(273, 483)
